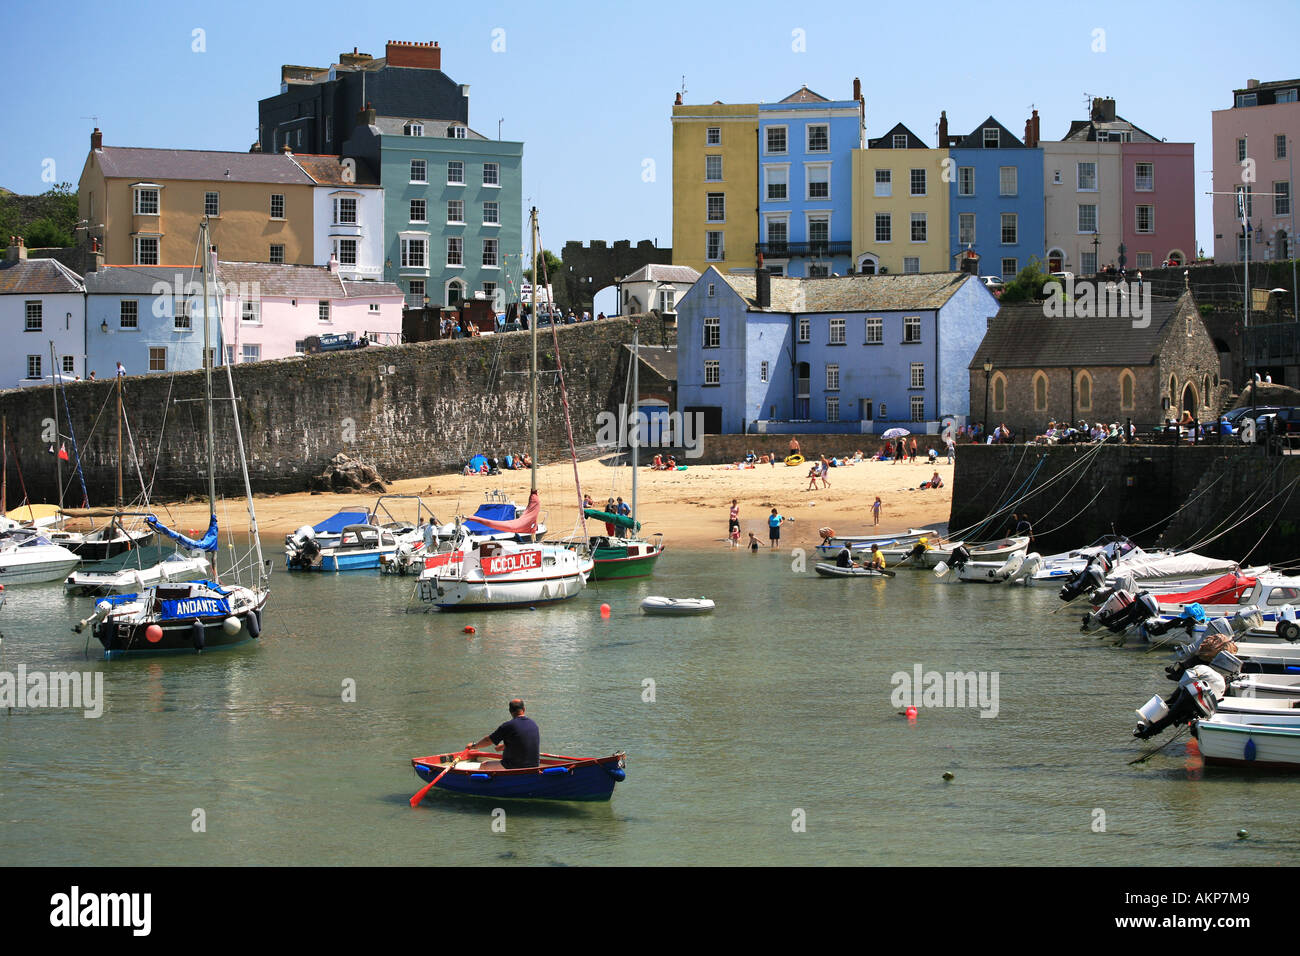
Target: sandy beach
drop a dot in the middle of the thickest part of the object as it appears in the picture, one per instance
(689, 507)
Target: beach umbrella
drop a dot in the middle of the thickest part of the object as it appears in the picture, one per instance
(896, 433)
(477, 462)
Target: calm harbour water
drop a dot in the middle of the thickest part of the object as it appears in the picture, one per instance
(779, 701)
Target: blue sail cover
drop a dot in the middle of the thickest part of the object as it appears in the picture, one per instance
(493, 512)
(338, 522)
(209, 541)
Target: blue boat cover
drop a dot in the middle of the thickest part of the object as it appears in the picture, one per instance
(493, 512)
(194, 607)
(340, 521)
(209, 542)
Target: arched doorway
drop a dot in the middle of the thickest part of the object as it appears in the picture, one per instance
(1176, 258)
(1190, 404)
(868, 264)
(455, 292)
(1055, 260)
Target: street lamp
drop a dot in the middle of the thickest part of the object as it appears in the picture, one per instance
(988, 371)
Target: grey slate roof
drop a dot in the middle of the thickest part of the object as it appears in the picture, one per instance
(140, 280)
(1020, 336)
(879, 293)
(328, 170)
(37, 277)
(661, 358)
(138, 163)
(292, 281)
(433, 128)
(656, 272)
(804, 95)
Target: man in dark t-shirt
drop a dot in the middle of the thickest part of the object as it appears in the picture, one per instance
(518, 738)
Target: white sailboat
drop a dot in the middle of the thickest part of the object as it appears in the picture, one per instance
(500, 574)
(193, 616)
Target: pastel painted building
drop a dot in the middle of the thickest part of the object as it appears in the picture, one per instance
(995, 196)
(1263, 126)
(1115, 195)
(900, 206)
(269, 311)
(149, 318)
(348, 210)
(42, 320)
(840, 354)
(715, 185)
(806, 144)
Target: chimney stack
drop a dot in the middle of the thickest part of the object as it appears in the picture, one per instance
(1031, 130)
(96, 139)
(857, 88)
(17, 251)
(366, 117)
(678, 101)
(943, 129)
(763, 288)
(418, 56)
(1103, 110)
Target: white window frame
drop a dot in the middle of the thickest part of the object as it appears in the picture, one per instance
(1014, 177)
(808, 170)
(712, 372)
(139, 242)
(709, 235)
(832, 377)
(817, 216)
(911, 330)
(423, 170)
(1150, 178)
(1282, 198)
(456, 131)
(966, 173)
(1151, 219)
(408, 245)
(767, 140)
(1079, 177)
(805, 329)
(324, 313)
(712, 333)
(455, 252)
(884, 187)
(838, 333)
(898, 141)
(345, 206)
(273, 257)
(413, 129)
(965, 238)
(782, 221)
(33, 309)
(1015, 229)
(455, 166)
(491, 253)
(250, 312)
(911, 265)
(832, 408)
(924, 222)
(713, 136)
(34, 367)
(710, 159)
(212, 201)
(454, 206)
(997, 138)
(1012, 272)
(494, 208)
(808, 138)
(132, 313)
(911, 181)
(917, 406)
(763, 371)
(140, 207)
(917, 375)
(1145, 260)
(1079, 220)
(708, 207)
(876, 325)
(492, 175)
(250, 352)
(776, 174)
(888, 220)
(423, 210)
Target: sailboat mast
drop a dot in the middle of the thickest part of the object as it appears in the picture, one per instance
(54, 387)
(207, 369)
(119, 443)
(4, 469)
(636, 407)
(533, 327)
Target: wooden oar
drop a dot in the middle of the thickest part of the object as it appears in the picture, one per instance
(420, 795)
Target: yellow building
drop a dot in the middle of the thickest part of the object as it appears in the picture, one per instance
(900, 205)
(715, 186)
(144, 205)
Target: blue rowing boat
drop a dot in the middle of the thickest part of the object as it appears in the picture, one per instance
(557, 778)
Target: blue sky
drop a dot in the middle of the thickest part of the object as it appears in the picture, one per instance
(589, 87)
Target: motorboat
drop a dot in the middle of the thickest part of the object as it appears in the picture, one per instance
(924, 555)
(27, 556)
(832, 543)
(499, 574)
(1251, 740)
(137, 569)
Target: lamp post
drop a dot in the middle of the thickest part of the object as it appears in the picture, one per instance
(988, 372)
(1096, 242)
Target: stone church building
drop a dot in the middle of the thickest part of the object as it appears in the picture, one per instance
(1073, 369)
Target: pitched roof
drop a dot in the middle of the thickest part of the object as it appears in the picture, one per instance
(975, 140)
(661, 358)
(804, 95)
(130, 162)
(294, 281)
(37, 277)
(328, 170)
(433, 128)
(1020, 336)
(887, 141)
(140, 280)
(859, 293)
(1086, 130)
(360, 289)
(656, 272)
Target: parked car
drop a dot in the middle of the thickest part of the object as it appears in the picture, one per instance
(1236, 416)
(1286, 421)
(993, 282)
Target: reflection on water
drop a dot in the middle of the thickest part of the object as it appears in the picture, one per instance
(297, 747)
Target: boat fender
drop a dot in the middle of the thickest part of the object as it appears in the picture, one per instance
(556, 770)
(253, 624)
(1249, 751)
(1288, 631)
(196, 634)
(480, 776)
(231, 626)
(618, 773)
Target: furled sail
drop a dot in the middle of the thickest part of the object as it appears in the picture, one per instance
(526, 523)
(618, 521)
(209, 542)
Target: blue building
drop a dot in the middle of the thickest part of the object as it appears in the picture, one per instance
(805, 182)
(757, 353)
(995, 202)
(149, 318)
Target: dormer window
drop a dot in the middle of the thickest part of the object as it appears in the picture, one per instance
(900, 141)
(413, 129)
(455, 132)
(992, 138)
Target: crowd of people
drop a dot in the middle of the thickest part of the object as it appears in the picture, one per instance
(1058, 433)
(497, 464)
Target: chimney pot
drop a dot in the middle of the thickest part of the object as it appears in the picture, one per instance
(943, 129)
(678, 101)
(96, 139)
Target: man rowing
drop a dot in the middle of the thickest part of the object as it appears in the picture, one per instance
(519, 739)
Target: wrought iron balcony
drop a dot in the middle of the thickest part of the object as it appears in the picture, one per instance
(808, 250)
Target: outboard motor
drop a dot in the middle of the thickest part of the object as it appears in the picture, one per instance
(960, 555)
(1193, 616)
(1199, 691)
(1032, 563)
(305, 548)
(1245, 619)
(1122, 611)
(1115, 605)
(1091, 578)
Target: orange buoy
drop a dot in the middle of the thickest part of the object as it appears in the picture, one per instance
(153, 633)
(604, 610)
(911, 713)
(469, 629)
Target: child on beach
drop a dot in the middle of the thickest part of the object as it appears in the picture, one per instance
(753, 544)
(875, 511)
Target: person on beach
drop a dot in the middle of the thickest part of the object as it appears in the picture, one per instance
(825, 470)
(794, 446)
(624, 508)
(913, 449)
(754, 543)
(774, 529)
(875, 511)
(813, 472)
(519, 740)
(733, 523)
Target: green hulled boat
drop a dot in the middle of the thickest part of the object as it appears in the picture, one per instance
(622, 557)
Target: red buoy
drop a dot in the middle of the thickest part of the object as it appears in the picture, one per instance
(604, 610)
(153, 633)
(911, 713)
(469, 629)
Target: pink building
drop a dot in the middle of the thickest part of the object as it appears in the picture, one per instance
(1158, 203)
(269, 310)
(1262, 127)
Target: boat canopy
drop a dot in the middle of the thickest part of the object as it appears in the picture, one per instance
(209, 542)
(499, 517)
(336, 523)
(1222, 590)
(618, 521)
(1141, 565)
(34, 514)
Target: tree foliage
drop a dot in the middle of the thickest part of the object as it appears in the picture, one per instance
(550, 265)
(49, 219)
(1028, 284)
